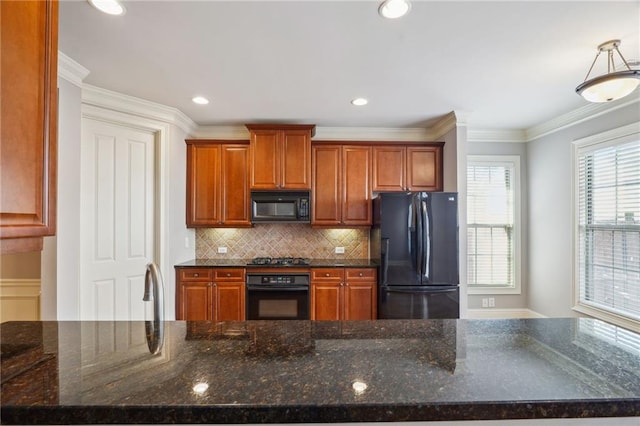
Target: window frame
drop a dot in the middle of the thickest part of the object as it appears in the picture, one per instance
(517, 225)
(602, 140)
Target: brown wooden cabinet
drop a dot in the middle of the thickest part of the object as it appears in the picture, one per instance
(341, 194)
(217, 184)
(210, 294)
(280, 156)
(343, 294)
(408, 167)
(28, 113)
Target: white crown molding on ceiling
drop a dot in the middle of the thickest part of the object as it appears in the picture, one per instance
(577, 116)
(103, 98)
(70, 70)
(489, 135)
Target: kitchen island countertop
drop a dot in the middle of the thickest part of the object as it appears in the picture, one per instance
(305, 371)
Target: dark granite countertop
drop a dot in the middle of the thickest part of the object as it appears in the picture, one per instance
(304, 371)
(313, 263)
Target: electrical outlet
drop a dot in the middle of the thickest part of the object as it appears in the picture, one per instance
(186, 242)
(492, 302)
(485, 302)
(339, 250)
(222, 250)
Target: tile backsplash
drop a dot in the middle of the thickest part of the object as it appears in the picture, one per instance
(282, 240)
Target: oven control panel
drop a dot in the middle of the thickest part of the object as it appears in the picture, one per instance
(274, 279)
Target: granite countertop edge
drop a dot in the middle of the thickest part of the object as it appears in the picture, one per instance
(241, 414)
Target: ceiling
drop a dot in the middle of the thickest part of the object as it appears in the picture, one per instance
(509, 65)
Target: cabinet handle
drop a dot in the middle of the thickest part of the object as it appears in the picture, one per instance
(228, 274)
(196, 274)
(327, 274)
(360, 274)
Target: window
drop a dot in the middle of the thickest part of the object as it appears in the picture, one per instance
(607, 192)
(493, 224)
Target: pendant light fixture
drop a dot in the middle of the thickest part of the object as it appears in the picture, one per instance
(612, 85)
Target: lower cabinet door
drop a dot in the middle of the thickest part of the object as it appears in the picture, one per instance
(326, 301)
(230, 301)
(195, 302)
(360, 301)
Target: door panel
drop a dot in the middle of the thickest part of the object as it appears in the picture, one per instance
(235, 185)
(296, 158)
(117, 220)
(265, 161)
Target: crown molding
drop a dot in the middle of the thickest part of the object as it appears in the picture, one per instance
(491, 135)
(70, 70)
(103, 98)
(580, 115)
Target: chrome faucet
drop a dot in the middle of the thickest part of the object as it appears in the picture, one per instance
(155, 330)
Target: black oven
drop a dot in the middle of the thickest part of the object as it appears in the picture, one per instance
(272, 296)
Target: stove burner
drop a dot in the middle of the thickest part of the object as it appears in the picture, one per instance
(280, 261)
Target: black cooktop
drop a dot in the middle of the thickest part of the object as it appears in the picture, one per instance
(280, 261)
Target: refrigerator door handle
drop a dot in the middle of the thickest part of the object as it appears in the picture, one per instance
(427, 241)
(415, 202)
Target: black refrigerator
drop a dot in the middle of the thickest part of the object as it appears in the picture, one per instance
(415, 242)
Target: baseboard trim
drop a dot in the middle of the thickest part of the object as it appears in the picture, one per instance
(502, 313)
(19, 299)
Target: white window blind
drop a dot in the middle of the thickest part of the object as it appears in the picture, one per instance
(491, 222)
(608, 253)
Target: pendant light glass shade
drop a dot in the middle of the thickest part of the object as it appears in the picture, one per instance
(612, 85)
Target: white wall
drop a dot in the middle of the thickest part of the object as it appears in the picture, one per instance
(61, 254)
(550, 246)
(511, 301)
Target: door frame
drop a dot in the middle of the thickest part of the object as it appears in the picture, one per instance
(161, 131)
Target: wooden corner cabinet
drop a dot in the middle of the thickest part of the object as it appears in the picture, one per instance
(341, 194)
(343, 294)
(28, 117)
(217, 184)
(210, 294)
(280, 156)
(408, 167)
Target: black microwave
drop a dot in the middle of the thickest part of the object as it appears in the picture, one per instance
(279, 207)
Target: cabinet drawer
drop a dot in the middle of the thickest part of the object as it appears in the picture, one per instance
(360, 274)
(194, 274)
(229, 274)
(327, 274)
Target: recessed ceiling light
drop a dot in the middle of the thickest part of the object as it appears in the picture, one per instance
(200, 100)
(393, 9)
(359, 101)
(111, 7)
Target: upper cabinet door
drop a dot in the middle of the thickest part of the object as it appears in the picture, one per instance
(389, 168)
(356, 191)
(424, 168)
(203, 185)
(280, 156)
(28, 89)
(235, 185)
(296, 159)
(326, 206)
(265, 159)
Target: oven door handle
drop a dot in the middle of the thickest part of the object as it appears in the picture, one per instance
(277, 287)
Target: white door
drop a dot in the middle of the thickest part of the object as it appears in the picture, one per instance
(117, 220)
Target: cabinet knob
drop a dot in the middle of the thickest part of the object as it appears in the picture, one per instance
(228, 274)
(196, 274)
(326, 275)
(360, 274)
